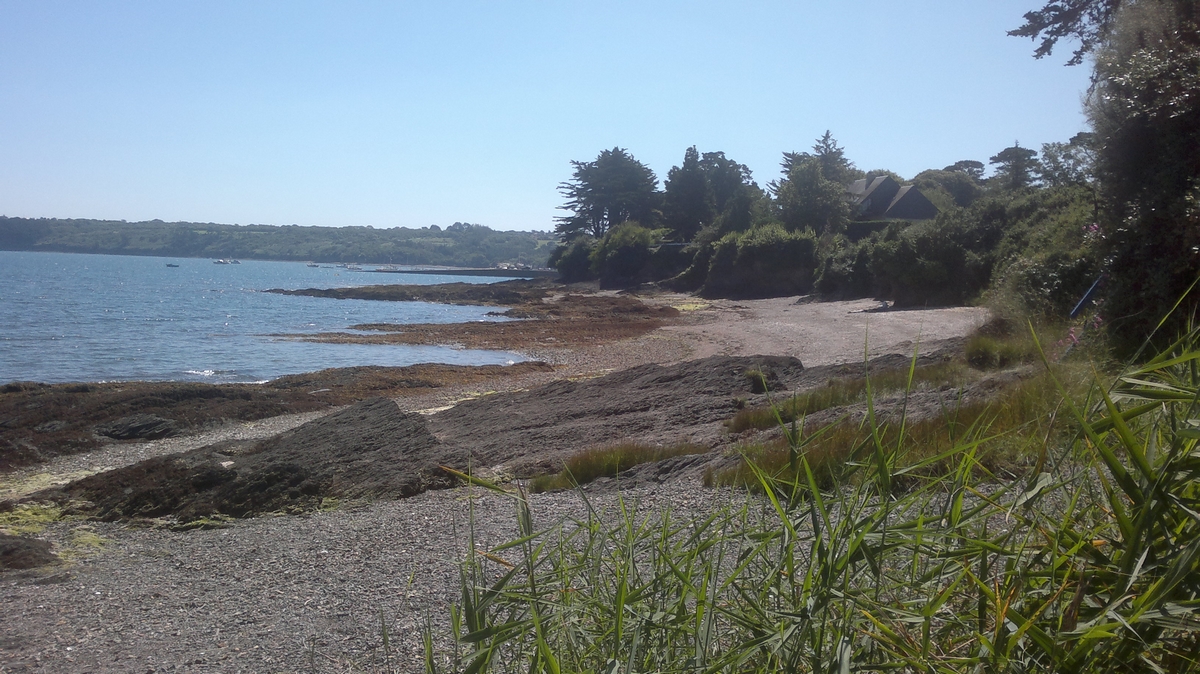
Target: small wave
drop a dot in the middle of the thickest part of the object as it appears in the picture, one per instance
(209, 373)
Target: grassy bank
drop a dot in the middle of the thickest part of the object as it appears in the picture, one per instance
(911, 556)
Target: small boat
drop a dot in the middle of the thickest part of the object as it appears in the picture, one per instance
(314, 265)
(220, 261)
(169, 264)
(354, 267)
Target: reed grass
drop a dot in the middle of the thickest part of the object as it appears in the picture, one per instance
(1088, 563)
(597, 462)
(842, 391)
(1020, 421)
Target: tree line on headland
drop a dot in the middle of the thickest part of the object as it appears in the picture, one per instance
(458, 245)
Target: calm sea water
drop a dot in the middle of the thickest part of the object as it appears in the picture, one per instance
(67, 317)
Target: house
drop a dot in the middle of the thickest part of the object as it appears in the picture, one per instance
(884, 199)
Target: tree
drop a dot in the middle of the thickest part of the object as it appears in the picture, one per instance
(708, 191)
(1015, 167)
(968, 166)
(952, 188)
(1070, 163)
(606, 192)
(1144, 108)
(687, 198)
(830, 157)
(875, 173)
(1145, 111)
(809, 200)
(727, 180)
(1088, 21)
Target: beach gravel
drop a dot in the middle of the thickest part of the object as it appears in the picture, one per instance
(274, 594)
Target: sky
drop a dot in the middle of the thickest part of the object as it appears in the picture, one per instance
(419, 113)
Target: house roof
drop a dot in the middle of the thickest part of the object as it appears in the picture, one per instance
(884, 197)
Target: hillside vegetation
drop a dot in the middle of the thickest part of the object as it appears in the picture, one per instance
(458, 245)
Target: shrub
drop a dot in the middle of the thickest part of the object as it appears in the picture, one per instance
(942, 261)
(573, 260)
(766, 261)
(622, 254)
(846, 271)
(1048, 256)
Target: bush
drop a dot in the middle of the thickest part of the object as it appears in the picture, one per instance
(573, 260)
(846, 272)
(943, 261)
(622, 254)
(1034, 251)
(1048, 256)
(766, 261)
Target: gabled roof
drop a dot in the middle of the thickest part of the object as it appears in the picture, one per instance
(873, 199)
(910, 204)
(883, 197)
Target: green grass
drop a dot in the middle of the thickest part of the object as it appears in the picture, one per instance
(843, 391)
(597, 462)
(911, 559)
(1019, 422)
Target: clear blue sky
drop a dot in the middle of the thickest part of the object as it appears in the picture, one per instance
(411, 114)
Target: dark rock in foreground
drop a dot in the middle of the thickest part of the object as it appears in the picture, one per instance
(370, 449)
(18, 552)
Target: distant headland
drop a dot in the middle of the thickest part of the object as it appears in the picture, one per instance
(458, 245)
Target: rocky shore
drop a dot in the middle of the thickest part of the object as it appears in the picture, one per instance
(375, 539)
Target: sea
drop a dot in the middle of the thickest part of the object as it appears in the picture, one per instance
(85, 318)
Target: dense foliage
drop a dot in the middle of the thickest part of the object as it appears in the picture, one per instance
(459, 245)
(1027, 237)
(607, 192)
(1145, 114)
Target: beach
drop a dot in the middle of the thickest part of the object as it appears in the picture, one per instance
(318, 591)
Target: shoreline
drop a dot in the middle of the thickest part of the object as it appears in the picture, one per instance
(819, 334)
(278, 593)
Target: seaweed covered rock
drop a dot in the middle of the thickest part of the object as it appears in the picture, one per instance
(370, 449)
